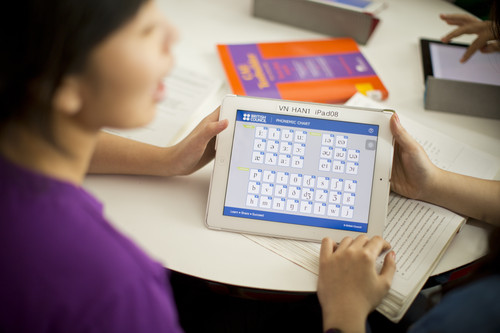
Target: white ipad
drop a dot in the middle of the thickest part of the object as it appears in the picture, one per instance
(300, 170)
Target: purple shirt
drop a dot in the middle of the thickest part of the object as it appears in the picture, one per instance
(64, 268)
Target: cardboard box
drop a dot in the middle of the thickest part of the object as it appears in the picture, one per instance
(318, 17)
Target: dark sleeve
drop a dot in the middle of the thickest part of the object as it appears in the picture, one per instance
(472, 308)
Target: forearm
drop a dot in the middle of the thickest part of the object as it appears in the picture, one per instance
(117, 155)
(344, 319)
(469, 196)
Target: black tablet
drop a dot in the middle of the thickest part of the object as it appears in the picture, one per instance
(442, 61)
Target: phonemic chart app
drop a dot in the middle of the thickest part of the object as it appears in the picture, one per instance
(301, 170)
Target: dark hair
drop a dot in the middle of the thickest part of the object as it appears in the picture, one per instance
(42, 41)
(495, 18)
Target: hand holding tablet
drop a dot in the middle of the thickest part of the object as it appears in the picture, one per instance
(300, 170)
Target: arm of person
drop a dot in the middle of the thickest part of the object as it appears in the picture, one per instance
(416, 177)
(349, 287)
(118, 155)
(467, 24)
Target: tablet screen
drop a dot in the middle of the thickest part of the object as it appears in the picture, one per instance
(480, 68)
(301, 170)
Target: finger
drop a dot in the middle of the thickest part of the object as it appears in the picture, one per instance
(210, 130)
(344, 243)
(458, 19)
(453, 34)
(327, 247)
(360, 241)
(377, 245)
(476, 45)
(402, 137)
(220, 126)
(389, 267)
(395, 174)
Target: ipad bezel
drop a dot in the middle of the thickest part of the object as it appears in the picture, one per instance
(425, 51)
(224, 144)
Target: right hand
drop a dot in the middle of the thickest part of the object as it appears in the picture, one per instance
(349, 287)
(198, 148)
(467, 24)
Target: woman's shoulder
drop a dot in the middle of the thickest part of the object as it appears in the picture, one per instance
(59, 251)
(61, 225)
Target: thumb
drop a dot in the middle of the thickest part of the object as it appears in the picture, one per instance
(219, 126)
(211, 129)
(402, 137)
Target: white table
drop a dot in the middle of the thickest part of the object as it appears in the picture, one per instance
(166, 215)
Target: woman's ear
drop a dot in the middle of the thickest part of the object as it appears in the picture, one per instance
(68, 98)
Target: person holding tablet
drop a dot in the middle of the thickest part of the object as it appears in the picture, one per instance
(349, 288)
(67, 69)
(348, 285)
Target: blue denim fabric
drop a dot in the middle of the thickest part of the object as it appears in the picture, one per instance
(473, 308)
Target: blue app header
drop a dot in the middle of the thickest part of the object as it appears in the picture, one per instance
(305, 122)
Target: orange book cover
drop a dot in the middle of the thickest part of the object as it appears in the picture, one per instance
(323, 71)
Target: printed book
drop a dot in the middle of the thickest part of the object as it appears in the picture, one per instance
(323, 71)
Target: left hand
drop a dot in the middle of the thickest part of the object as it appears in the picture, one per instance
(413, 174)
(198, 148)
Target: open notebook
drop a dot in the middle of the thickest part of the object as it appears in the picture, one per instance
(419, 232)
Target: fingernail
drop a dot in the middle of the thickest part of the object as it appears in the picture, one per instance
(397, 118)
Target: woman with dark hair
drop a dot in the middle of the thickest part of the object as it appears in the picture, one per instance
(349, 287)
(68, 68)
